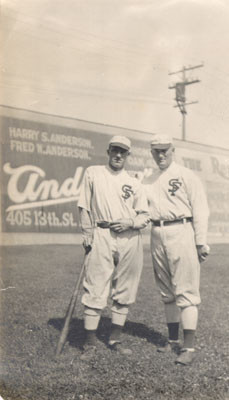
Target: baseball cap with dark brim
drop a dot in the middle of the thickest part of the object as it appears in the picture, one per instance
(120, 141)
(161, 142)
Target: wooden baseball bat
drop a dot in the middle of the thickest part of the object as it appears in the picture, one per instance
(70, 309)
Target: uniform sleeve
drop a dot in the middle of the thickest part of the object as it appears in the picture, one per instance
(199, 205)
(84, 205)
(85, 224)
(141, 207)
(86, 192)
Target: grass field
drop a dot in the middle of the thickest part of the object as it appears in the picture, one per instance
(36, 286)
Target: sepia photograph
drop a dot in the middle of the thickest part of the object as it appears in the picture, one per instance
(114, 200)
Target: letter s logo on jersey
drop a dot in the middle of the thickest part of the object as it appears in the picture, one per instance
(175, 183)
(127, 191)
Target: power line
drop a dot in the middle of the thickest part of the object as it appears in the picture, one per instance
(90, 92)
(129, 51)
(135, 49)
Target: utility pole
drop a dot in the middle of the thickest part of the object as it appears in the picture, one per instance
(180, 93)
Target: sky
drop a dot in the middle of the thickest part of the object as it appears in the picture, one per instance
(110, 62)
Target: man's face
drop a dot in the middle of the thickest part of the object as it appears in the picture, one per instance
(117, 157)
(163, 157)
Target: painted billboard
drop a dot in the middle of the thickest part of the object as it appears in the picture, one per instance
(213, 168)
(42, 167)
(42, 170)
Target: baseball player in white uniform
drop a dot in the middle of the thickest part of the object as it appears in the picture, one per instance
(113, 208)
(179, 214)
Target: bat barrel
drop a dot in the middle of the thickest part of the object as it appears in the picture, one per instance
(70, 310)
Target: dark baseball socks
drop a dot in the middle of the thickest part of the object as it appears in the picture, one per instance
(189, 338)
(115, 334)
(90, 337)
(173, 330)
(189, 335)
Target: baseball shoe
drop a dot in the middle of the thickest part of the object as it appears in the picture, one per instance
(89, 352)
(171, 346)
(186, 357)
(118, 347)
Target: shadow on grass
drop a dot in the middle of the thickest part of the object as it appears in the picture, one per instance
(76, 331)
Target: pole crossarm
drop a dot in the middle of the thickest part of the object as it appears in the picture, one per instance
(187, 104)
(180, 87)
(185, 83)
(186, 69)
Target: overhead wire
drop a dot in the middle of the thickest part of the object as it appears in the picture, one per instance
(82, 50)
(143, 51)
(87, 92)
(112, 44)
(111, 56)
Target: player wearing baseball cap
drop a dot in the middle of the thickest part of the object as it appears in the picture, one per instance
(179, 214)
(113, 208)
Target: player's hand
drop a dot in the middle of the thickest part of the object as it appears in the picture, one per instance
(87, 244)
(203, 251)
(87, 249)
(121, 225)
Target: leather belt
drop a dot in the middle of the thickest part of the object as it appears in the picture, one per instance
(171, 222)
(103, 224)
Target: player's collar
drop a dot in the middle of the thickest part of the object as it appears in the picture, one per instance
(121, 171)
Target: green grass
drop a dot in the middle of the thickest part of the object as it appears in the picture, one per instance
(40, 281)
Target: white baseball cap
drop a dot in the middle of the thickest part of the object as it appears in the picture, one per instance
(120, 141)
(161, 142)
